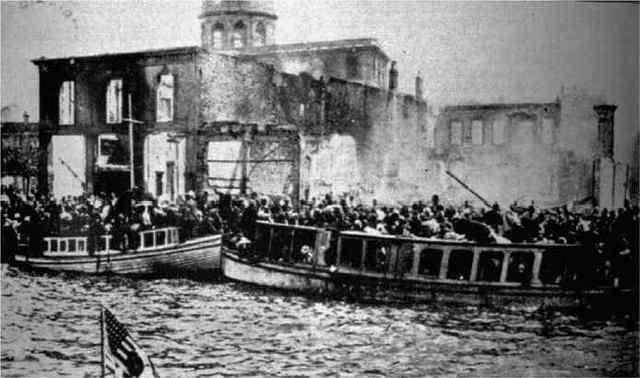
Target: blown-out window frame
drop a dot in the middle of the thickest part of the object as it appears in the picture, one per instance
(217, 35)
(239, 35)
(114, 101)
(66, 102)
(165, 98)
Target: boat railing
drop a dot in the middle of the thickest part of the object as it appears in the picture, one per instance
(157, 238)
(73, 246)
(66, 246)
(420, 258)
(428, 259)
(292, 243)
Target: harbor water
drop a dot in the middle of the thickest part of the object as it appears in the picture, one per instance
(50, 327)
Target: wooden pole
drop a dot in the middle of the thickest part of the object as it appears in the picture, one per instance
(131, 173)
(468, 188)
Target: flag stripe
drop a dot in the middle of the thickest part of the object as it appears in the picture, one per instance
(120, 348)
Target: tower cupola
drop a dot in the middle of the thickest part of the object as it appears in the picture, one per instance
(237, 25)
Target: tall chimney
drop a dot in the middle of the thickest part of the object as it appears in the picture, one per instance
(418, 86)
(393, 77)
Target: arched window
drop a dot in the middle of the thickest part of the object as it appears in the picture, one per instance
(238, 36)
(261, 35)
(217, 35)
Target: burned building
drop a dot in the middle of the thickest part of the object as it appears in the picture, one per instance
(84, 104)
(237, 113)
(552, 153)
(241, 113)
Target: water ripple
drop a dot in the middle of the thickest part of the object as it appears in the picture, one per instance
(198, 329)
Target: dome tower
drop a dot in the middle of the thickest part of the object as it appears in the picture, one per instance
(237, 25)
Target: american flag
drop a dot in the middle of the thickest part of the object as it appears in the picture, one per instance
(121, 356)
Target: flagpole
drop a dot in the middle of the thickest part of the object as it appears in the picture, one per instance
(102, 341)
(153, 368)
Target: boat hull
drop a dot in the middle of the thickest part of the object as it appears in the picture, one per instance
(201, 255)
(274, 275)
(365, 287)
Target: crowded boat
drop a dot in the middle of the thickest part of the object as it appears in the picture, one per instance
(434, 252)
(131, 234)
(608, 239)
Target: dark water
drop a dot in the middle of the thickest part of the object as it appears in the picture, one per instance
(50, 328)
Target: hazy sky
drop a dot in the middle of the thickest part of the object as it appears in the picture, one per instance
(466, 51)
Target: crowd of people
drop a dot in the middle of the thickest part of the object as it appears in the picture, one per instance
(609, 234)
(517, 224)
(28, 219)
(608, 239)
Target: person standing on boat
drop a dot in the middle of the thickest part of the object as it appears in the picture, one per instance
(493, 218)
(95, 231)
(9, 238)
(249, 218)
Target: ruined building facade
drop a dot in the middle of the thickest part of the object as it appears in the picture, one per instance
(224, 116)
(240, 113)
(552, 153)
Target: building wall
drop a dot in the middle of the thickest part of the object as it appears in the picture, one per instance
(161, 150)
(379, 130)
(550, 152)
(386, 127)
(634, 171)
(262, 159)
(140, 74)
(365, 65)
(522, 165)
(579, 132)
(335, 135)
(67, 168)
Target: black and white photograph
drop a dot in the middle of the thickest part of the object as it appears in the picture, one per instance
(319, 188)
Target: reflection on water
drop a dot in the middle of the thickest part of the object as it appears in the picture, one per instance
(50, 326)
